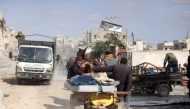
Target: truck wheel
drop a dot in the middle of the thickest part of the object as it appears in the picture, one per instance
(150, 92)
(19, 81)
(49, 81)
(163, 90)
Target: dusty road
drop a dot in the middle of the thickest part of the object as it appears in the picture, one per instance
(34, 95)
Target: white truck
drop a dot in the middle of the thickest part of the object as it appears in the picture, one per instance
(35, 61)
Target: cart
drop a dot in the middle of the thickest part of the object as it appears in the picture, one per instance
(149, 78)
(89, 96)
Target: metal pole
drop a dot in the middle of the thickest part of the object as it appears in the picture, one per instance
(88, 37)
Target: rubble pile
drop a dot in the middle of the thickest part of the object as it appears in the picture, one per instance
(6, 65)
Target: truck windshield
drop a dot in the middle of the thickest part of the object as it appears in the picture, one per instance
(38, 55)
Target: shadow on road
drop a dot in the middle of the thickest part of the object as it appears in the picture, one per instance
(12, 81)
(59, 104)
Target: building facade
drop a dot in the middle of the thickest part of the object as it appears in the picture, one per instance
(165, 46)
(99, 35)
(182, 44)
(8, 42)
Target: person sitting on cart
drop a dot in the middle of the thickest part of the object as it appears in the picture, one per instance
(121, 73)
(75, 68)
(96, 64)
(172, 62)
(85, 54)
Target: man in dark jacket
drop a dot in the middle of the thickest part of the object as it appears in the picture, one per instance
(75, 68)
(172, 62)
(70, 63)
(121, 73)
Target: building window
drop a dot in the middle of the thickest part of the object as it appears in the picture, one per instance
(95, 36)
(124, 36)
(105, 36)
(6, 36)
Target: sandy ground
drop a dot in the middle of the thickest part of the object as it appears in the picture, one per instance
(38, 95)
(34, 95)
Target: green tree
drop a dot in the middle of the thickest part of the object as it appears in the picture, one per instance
(114, 41)
(100, 46)
(98, 49)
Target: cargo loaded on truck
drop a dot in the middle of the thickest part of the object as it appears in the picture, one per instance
(35, 61)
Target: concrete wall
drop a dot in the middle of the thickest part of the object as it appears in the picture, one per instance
(1, 55)
(157, 57)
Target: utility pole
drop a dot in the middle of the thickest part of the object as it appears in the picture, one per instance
(187, 35)
(88, 38)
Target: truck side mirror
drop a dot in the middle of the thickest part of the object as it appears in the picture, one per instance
(10, 55)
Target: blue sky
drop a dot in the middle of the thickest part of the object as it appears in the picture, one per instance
(153, 21)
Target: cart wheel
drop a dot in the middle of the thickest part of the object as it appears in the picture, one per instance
(72, 101)
(163, 90)
(116, 107)
(90, 106)
(75, 103)
(150, 92)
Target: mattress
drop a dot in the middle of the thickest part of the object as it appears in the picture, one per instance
(90, 88)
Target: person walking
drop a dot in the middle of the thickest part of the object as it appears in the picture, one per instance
(172, 62)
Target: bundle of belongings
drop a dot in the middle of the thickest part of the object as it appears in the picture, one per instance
(92, 83)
